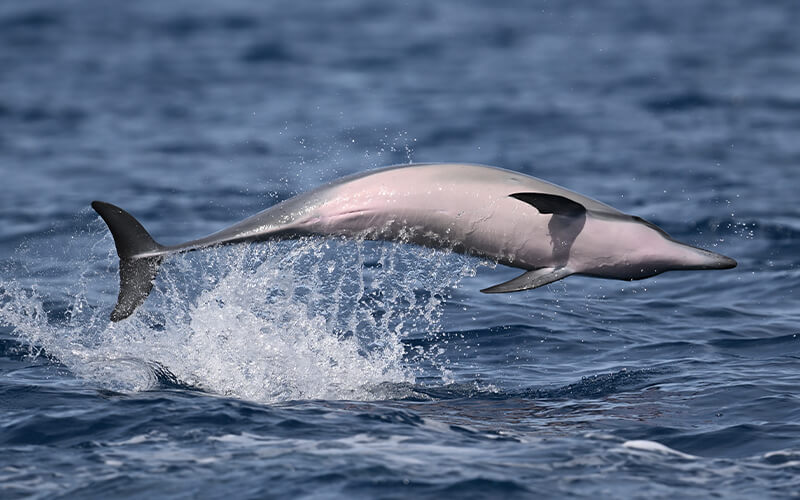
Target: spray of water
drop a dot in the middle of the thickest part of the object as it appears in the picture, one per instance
(308, 319)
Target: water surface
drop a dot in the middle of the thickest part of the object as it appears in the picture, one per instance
(330, 368)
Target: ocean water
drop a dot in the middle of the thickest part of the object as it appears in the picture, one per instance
(330, 368)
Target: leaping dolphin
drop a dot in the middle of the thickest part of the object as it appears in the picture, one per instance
(488, 212)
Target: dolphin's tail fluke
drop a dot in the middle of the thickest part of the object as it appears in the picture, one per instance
(139, 258)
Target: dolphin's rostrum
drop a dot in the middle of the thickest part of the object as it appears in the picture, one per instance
(497, 214)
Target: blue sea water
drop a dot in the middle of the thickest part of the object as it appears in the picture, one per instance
(328, 368)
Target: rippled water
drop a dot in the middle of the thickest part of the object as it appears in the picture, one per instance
(334, 368)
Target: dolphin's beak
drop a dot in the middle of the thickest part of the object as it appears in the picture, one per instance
(725, 262)
(706, 259)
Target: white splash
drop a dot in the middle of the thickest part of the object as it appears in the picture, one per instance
(309, 319)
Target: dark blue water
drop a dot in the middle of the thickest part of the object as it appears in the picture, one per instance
(339, 369)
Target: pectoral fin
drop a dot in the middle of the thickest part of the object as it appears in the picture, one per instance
(530, 279)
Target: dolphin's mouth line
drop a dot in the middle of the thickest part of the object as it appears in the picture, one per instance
(713, 260)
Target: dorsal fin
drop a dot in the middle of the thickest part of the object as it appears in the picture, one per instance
(551, 204)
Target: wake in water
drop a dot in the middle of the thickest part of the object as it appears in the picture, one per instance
(278, 321)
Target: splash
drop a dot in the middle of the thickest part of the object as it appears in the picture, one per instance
(278, 321)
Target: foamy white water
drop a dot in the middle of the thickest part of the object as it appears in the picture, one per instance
(309, 319)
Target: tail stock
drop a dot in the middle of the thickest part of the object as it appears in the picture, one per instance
(137, 264)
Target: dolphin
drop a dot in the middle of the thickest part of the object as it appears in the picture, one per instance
(492, 213)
